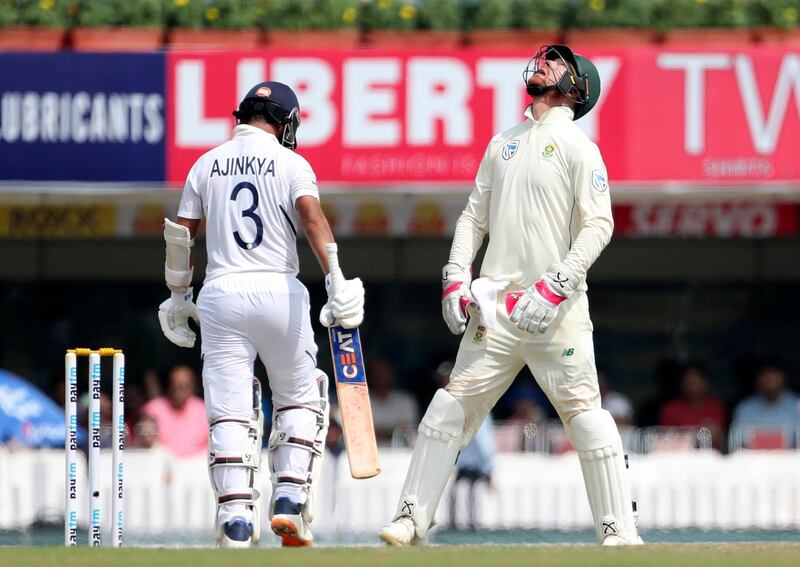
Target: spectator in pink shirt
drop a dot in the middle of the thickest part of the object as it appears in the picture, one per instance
(180, 415)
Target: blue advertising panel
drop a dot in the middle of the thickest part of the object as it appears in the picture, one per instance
(82, 117)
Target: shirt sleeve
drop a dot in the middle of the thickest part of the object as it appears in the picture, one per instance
(303, 181)
(590, 181)
(191, 206)
(473, 224)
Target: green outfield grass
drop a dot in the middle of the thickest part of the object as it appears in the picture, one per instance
(705, 555)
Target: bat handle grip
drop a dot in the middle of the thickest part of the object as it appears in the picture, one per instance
(337, 278)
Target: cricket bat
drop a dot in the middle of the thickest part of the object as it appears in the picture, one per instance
(351, 387)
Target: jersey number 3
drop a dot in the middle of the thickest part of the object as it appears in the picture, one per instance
(250, 214)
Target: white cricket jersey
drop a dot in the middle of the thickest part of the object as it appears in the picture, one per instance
(246, 189)
(542, 195)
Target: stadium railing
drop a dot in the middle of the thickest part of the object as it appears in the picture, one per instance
(549, 437)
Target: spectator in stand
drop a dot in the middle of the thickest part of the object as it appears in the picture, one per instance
(519, 431)
(134, 401)
(57, 391)
(666, 377)
(614, 402)
(152, 384)
(146, 433)
(695, 407)
(621, 409)
(145, 436)
(180, 415)
(476, 461)
(474, 465)
(526, 411)
(391, 408)
(769, 418)
(137, 394)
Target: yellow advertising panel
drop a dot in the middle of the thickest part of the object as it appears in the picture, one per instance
(57, 221)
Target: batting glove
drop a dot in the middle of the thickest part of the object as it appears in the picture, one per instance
(535, 308)
(456, 297)
(346, 308)
(174, 315)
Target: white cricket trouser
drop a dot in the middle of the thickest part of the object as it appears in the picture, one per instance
(561, 360)
(241, 316)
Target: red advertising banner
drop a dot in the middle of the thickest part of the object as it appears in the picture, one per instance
(416, 117)
(702, 220)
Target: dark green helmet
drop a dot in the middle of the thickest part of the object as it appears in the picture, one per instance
(582, 87)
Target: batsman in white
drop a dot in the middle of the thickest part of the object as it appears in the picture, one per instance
(255, 193)
(541, 194)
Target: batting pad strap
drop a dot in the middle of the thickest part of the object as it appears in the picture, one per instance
(317, 411)
(289, 477)
(278, 437)
(247, 459)
(248, 423)
(247, 496)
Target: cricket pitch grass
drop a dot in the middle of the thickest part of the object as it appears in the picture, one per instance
(672, 555)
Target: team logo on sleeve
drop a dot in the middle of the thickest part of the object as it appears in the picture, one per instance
(510, 149)
(599, 181)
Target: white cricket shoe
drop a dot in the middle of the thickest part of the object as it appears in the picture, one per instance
(401, 531)
(287, 522)
(236, 534)
(611, 540)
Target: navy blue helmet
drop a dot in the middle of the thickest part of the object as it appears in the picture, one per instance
(278, 104)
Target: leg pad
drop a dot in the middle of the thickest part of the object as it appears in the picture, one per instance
(595, 437)
(433, 461)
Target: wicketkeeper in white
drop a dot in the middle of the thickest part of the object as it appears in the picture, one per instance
(255, 193)
(541, 194)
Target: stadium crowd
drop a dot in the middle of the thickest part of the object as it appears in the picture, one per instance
(685, 413)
